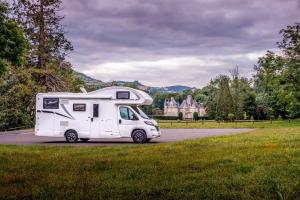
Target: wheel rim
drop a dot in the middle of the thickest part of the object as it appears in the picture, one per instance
(139, 136)
(71, 137)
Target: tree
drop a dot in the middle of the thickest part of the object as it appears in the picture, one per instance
(278, 76)
(24, 79)
(13, 44)
(200, 97)
(290, 43)
(237, 95)
(249, 106)
(42, 25)
(48, 45)
(225, 103)
(17, 86)
(245, 116)
(210, 102)
(180, 116)
(17, 98)
(195, 116)
(231, 116)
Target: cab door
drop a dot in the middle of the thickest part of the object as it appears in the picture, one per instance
(127, 121)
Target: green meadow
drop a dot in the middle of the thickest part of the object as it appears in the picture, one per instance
(262, 164)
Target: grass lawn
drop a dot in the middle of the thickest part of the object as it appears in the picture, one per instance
(214, 124)
(264, 164)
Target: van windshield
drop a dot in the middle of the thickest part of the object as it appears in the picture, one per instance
(140, 112)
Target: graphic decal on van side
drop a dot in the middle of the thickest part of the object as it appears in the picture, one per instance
(51, 112)
(65, 109)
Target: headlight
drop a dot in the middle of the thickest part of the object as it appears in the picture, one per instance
(149, 123)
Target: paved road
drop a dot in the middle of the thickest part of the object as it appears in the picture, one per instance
(26, 137)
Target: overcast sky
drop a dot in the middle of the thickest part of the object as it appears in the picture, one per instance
(168, 42)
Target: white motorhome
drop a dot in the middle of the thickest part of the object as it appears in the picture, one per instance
(110, 112)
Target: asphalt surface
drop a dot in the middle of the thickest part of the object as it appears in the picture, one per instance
(26, 137)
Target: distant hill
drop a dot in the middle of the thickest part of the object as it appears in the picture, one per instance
(87, 79)
(169, 89)
(92, 84)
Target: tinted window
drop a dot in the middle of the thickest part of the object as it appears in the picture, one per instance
(140, 112)
(127, 114)
(79, 107)
(50, 103)
(123, 95)
(95, 110)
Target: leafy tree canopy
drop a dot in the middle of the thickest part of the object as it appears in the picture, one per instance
(13, 45)
(278, 76)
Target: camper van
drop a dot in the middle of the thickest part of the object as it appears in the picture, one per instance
(111, 112)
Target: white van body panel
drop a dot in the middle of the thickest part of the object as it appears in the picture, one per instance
(58, 112)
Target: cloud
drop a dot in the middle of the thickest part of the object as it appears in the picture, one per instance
(193, 71)
(186, 42)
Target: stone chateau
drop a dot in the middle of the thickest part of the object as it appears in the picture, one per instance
(187, 107)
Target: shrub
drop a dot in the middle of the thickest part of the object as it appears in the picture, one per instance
(195, 116)
(161, 117)
(180, 116)
(231, 116)
(245, 116)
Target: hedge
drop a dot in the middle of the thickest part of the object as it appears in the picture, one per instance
(161, 117)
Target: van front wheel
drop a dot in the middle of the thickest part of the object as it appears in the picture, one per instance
(71, 136)
(139, 136)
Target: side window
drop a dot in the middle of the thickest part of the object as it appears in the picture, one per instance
(95, 110)
(124, 113)
(127, 114)
(50, 103)
(131, 114)
(123, 95)
(79, 107)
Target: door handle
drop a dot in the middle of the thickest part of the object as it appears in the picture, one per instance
(120, 121)
(92, 119)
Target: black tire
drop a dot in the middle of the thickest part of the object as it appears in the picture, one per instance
(84, 139)
(71, 136)
(139, 136)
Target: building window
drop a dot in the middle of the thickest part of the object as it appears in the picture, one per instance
(123, 95)
(50, 103)
(80, 107)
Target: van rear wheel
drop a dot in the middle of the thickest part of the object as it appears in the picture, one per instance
(139, 136)
(71, 136)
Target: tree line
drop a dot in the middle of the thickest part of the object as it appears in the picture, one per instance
(273, 92)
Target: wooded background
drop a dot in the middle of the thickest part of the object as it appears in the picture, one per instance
(33, 48)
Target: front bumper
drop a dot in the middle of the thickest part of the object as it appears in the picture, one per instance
(155, 132)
